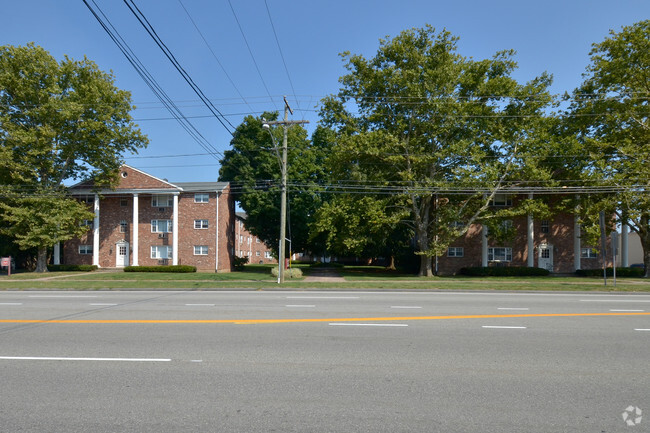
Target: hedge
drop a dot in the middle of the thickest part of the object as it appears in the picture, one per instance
(620, 272)
(71, 268)
(169, 268)
(509, 271)
(288, 273)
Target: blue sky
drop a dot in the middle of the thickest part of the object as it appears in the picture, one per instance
(553, 36)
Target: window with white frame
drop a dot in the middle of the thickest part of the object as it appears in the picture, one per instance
(501, 200)
(544, 226)
(162, 200)
(161, 252)
(267, 255)
(257, 253)
(124, 202)
(200, 224)
(123, 226)
(506, 224)
(88, 223)
(85, 249)
(161, 226)
(455, 252)
(500, 254)
(90, 199)
(241, 239)
(200, 250)
(588, 253)
(201, 197)
(257, 240)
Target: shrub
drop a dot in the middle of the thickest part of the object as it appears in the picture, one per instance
(71, 268)
(170, 268)
(288, 273)
(620, 272)
(509, 271)
(239, 263)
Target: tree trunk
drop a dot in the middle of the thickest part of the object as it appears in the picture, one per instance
(391, 265)
(644, 237)
(425, 266)
(41, 262)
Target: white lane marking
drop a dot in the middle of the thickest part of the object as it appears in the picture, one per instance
(199, 305)
(300, 306)
(322, 297)
(58, 358)
(515, 309)
(11, 303)
(102, 305)
(63, 296)
(368, 324)
(504, 327)
(196, 360)
(404, 307)
(614, 300)
(641, 329)
(630, 311)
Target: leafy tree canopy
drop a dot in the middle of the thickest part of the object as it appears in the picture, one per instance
(58, 120)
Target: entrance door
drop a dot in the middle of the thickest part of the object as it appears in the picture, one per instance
(121, 254)
(545, 259)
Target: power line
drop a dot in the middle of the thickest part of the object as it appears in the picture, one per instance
(142, 19)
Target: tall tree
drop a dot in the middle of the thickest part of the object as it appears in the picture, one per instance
(440, 133)
(253, 167)
(58, 120)
(610, 113)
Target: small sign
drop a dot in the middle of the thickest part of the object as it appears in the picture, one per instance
(5, 261)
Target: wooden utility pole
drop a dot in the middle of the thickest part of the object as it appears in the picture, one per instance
(283, 200)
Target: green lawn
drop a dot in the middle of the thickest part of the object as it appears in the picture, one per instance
(259, 277)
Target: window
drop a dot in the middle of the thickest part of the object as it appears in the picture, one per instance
(200, 224)
(123, 226)
(502, 200)
(88, 199)
(122, 250)
(257, 253)
(124, 202)
(161, 252)
(200, 250)
(267, 254)
(85, 249)
(257, 240)
(241, 239)
(455, 252)
(500, 254)
(162, 200)
(588, 253)
(458, 225)
(201, 198)
(544, 226)
(506, 224)
(546, 253)
(88, 223)
(161, 226)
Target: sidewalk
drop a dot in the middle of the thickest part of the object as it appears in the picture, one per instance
(324, 275)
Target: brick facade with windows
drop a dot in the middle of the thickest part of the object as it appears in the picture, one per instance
(249, 245)
(166, 215)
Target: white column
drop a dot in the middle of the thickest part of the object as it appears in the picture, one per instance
(484, 245)
(530, 235)
(175, 230)
(96, 232)
(57, 253)
(136, 241)
(216, 241)
(625, 260)
(576, 241)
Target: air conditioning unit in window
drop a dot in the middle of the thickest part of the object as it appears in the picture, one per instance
(161, 209)
(162, 236)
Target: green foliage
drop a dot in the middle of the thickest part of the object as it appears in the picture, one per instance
(435, 133)
(170, 268)
(253, 164)
(71, 268)
(58, 120)
(288, 273)
(239, 263)
(620, 272)
(609, 118)
(508, 271)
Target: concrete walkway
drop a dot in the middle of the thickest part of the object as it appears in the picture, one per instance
(324, 275)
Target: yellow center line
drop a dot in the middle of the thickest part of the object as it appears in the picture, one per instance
(336, 319)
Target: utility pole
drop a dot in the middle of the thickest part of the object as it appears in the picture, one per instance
(283, 199)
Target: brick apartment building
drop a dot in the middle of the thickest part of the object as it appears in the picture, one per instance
(554, 244)
(148, 221)
(249, 245)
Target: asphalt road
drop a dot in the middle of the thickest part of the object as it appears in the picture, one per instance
(323, 362)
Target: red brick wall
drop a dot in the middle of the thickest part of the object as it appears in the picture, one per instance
(248, 243)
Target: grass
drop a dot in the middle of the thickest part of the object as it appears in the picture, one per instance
(259, 277)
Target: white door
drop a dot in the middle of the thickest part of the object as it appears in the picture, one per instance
(545, 258)
(121, 254)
